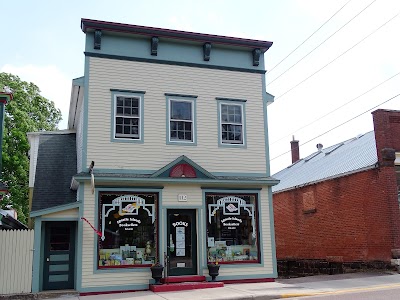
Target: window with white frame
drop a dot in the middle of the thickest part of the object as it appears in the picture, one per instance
(231, 123)
(181, 120)
(127, 117)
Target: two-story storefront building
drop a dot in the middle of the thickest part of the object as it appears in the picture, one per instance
(166, 155)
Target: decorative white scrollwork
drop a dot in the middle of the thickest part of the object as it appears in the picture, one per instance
(231, 207)
(128, 206)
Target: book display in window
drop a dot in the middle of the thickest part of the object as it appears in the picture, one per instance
(128, 226)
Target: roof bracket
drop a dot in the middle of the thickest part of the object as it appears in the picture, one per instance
(97, 39)
(256, 56)
(154, 45)
(207, 51)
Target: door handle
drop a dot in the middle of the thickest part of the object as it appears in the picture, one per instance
(48, 259)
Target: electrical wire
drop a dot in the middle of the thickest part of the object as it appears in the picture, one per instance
(322, 42)
(336, 109)
(341, 124)
(309, 37)
(356, 44)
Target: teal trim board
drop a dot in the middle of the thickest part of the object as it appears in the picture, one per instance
(219, 125)
(114, 94)
(272, 232)
(181, 98)
(79, 239)
(266, 140)
(85, 108)
(55, 209)
(162, 180)
(37, 246)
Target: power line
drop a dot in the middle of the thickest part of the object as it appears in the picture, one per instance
(309, 36)
(339, 125)
(327, 114)
(323, 42)
(359, 42)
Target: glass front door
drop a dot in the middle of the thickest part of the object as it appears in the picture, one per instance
(181, 242)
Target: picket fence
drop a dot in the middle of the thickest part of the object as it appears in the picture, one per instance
(16, 256)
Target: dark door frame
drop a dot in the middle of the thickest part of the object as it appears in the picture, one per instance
(47, 252)
(194, 269)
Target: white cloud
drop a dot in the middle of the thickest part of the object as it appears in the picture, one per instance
(53, 84)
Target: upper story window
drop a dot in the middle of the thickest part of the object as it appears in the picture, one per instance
(231, 122)
(181, 125)
(127, 116)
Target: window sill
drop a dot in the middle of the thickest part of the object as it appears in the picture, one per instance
(235, 262)
(123, 267)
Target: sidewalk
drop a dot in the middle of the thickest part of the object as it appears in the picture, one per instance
(282, 288)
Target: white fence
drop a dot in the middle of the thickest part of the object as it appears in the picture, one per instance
(16, 258)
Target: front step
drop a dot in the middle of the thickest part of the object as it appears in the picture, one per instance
(186, 278)
(183, 286)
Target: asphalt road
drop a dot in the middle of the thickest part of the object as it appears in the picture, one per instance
(381, 294)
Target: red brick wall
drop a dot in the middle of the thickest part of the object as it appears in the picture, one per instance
(351, 220)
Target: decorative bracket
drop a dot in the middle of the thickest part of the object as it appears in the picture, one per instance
(207, 51)
(256, 56)
(154, 45)
(97, 39)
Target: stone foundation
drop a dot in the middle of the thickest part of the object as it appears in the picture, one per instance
(301, 268)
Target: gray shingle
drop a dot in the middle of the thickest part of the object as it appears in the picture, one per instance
(56, 164)
(344, 158)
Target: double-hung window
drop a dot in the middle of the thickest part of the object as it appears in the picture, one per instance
(232, 123)
(181, 120)
(128, 116)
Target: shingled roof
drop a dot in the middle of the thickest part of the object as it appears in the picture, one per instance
(56, 164)
(354, 155)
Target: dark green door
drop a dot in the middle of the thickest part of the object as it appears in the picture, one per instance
(59, 256)
(182, 242)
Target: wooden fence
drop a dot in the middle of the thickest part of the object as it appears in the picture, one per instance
(16, 256)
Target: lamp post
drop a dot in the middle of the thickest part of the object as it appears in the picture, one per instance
(5, 97)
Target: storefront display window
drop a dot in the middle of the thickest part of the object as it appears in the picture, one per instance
(232, 228)
(128, 223)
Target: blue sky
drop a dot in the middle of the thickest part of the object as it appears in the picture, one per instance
(43, 43)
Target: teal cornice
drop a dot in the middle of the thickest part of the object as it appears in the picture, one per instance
(167, 62)
(55, 209)
(163, 180)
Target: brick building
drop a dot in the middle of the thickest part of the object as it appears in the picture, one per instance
(338, 208)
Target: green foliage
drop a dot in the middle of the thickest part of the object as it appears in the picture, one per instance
(27, 112)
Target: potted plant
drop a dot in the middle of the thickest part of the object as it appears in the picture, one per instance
(156, 272)
(213, 270)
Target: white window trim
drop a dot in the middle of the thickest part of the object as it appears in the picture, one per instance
(140, 117)
(226, 143)
(193, 120)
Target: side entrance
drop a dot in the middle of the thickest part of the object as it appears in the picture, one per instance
(59, 255)
(182, 242)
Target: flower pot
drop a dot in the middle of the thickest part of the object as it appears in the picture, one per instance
(213, 271)
(156, 273)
